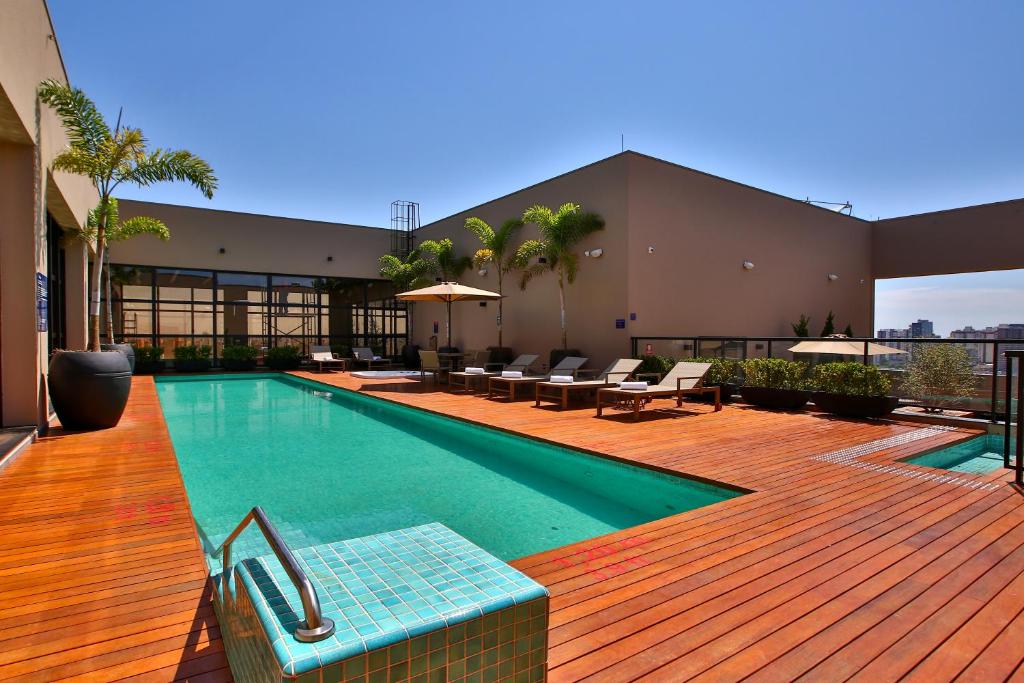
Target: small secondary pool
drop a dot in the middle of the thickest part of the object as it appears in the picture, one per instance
(979, 455)
(386, 374)
(328, 464)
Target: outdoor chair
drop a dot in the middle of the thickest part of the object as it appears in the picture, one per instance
(684, 379)
(322, 357)
(465, 380)
(430, 363)
(365, 355)
(560, 392)
(507, 386)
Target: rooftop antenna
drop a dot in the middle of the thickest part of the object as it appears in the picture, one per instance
(405, 220)
(839, 207)
(622, 142)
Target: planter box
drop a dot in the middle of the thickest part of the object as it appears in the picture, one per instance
(726, 390)
(197, 365)
(776, 399)
(855, 406)
(149, 367)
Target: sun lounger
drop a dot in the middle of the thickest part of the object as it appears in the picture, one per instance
(467, 380)
(322, 356)
(560, 392)
(504, 385)
(684, 379)
(365, 355)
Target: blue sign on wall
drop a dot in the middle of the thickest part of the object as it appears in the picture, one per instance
(620, 324)
(42, 302)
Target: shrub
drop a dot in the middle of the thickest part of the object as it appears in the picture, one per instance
(722, 370)
(652, 363)
(283, 357)
(190, 352)
(851, 378)
(774, 373)
(241, 354)
(939, 372)
(148, 354)
(800, 327)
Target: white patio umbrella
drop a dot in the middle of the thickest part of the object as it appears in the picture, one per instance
(448, 292)
(841, 345)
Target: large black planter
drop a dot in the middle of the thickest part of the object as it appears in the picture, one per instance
(856, 406)
(126, 349)
(726, 390)
(411, 356)
(89, 389)
(776, 399)
(193, 365)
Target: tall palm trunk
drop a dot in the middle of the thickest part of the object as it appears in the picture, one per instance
(108, 319)
(95, 288)
(499, 309)
(561, 303)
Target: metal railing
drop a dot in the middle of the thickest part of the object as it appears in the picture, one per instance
(317, 626)
(1018, 466)
(984, 399)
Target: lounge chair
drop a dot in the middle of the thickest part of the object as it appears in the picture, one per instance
(430, 363)
(507, 386)
(684, 379)
(465, 380)
(559, 392)
(364, 354)
(322, 356)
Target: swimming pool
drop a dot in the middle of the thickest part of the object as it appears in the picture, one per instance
(328, 464)
(980, 455)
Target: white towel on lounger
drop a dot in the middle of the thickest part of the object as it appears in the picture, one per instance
(474, 371)
(512, 374)
(561, 379)
(633, 386)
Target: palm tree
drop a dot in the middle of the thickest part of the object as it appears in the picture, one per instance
(110, 158)
(560, 232)
(445, 262)
(117, 231)
(497, 251)
(409, 273)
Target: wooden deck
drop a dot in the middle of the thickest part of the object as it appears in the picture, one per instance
(102, 577)
(841, 563)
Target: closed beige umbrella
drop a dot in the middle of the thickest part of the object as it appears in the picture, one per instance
(844, 347)
(448, 292)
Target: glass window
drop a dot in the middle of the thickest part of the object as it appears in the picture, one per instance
(236, 287)
(184, 285)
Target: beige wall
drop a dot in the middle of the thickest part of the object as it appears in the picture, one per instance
(971, 239)
(703, 228)
(531, 322)
(252, 243)
(30, 137)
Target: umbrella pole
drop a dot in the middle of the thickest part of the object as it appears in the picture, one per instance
(448, 322)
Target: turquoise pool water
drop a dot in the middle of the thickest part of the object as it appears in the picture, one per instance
(980, 455)
(328, 465)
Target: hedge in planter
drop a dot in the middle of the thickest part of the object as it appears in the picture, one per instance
(239, 357)
(192, 358)
(148, 359)
(283, 358)
(775, 383)
(722, 374)
(853, 389)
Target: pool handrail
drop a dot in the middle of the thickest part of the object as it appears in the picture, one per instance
(317, 627)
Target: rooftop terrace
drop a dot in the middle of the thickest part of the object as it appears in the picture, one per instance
(842, 561)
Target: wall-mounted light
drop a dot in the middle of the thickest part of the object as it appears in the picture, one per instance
(650, 250)
(330, 258)
(748, 265)
(482, 272)
(222, 250)
(832, 277)
(594, 253)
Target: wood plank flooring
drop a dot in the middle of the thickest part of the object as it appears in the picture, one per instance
(842, 563)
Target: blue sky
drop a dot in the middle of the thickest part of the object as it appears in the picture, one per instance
(329, 110)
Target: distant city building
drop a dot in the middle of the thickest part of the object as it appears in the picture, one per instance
(923, 328)
(981, 353)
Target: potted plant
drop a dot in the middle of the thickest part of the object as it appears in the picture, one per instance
(90, 388)
(239, 357)
(853, 389)
(191, 358)
(283, 358)
(722, 374)
(775, 383)
(148, 359)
